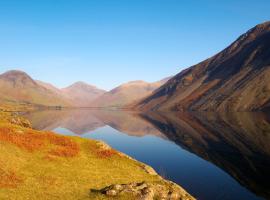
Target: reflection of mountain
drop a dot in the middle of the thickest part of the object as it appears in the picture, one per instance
(78, 121)
(238, 143)
(81, 121)
(129, 123)
(46, 119)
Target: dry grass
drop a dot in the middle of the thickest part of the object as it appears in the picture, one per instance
(65, 146)
(31, 141)
(102, 152)
(27, 141)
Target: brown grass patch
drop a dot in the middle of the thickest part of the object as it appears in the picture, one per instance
(28, 141)
(65, 152)
(106, 153)
(31, 141)
(65, 146)
(101, 152)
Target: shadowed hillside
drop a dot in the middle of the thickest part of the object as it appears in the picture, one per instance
(235, 79)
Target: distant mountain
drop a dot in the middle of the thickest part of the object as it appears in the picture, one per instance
(49, 86)
(18, 86)
(236, 79)
(81, 94)
(127, 93)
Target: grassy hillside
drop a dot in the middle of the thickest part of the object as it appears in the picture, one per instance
(43, 165)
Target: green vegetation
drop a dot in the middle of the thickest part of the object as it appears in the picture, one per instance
(43, 165)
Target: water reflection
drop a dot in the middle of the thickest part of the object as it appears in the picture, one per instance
(238, 143)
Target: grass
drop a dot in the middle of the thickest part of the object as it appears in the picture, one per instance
(43, 165)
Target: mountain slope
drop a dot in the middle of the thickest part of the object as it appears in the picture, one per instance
(49, 86)
(81, 94)
(235, 79)
(20, 87)
(127, 93)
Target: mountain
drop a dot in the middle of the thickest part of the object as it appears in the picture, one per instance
(82, 121)
(127, 93)
(236, 79)
(81, 94)
(17, 86)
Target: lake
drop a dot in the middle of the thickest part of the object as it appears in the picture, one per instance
(213, 156)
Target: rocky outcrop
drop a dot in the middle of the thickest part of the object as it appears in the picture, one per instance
(20, 122)
(163, 189)
(147, 191)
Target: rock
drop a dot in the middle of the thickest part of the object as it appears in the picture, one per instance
(111, 193)
(118, 187)
(103, 145)
(147, 193)
(174, 196)
(141, 186)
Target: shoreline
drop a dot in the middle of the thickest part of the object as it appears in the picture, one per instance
(143, 182)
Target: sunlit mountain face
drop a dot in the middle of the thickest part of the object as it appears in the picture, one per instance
(214, 156)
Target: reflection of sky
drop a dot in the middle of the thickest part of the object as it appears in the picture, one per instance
(199, 177)
(64, 131)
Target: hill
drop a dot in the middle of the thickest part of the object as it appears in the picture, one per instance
(82, 94)
(127, 93)
(17, 86)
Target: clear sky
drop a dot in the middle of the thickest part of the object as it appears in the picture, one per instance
(109, 42)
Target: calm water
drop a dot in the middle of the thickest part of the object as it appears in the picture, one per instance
(212, 156)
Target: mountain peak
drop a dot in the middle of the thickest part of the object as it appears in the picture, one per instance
(81, 84)
(17, 77)
(14, 73)
(263, 26)
(254, 32)
(81, 93)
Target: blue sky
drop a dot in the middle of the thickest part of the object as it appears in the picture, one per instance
(109, 42)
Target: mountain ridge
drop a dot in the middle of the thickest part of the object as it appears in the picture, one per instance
(127, 93)
(234, 79)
